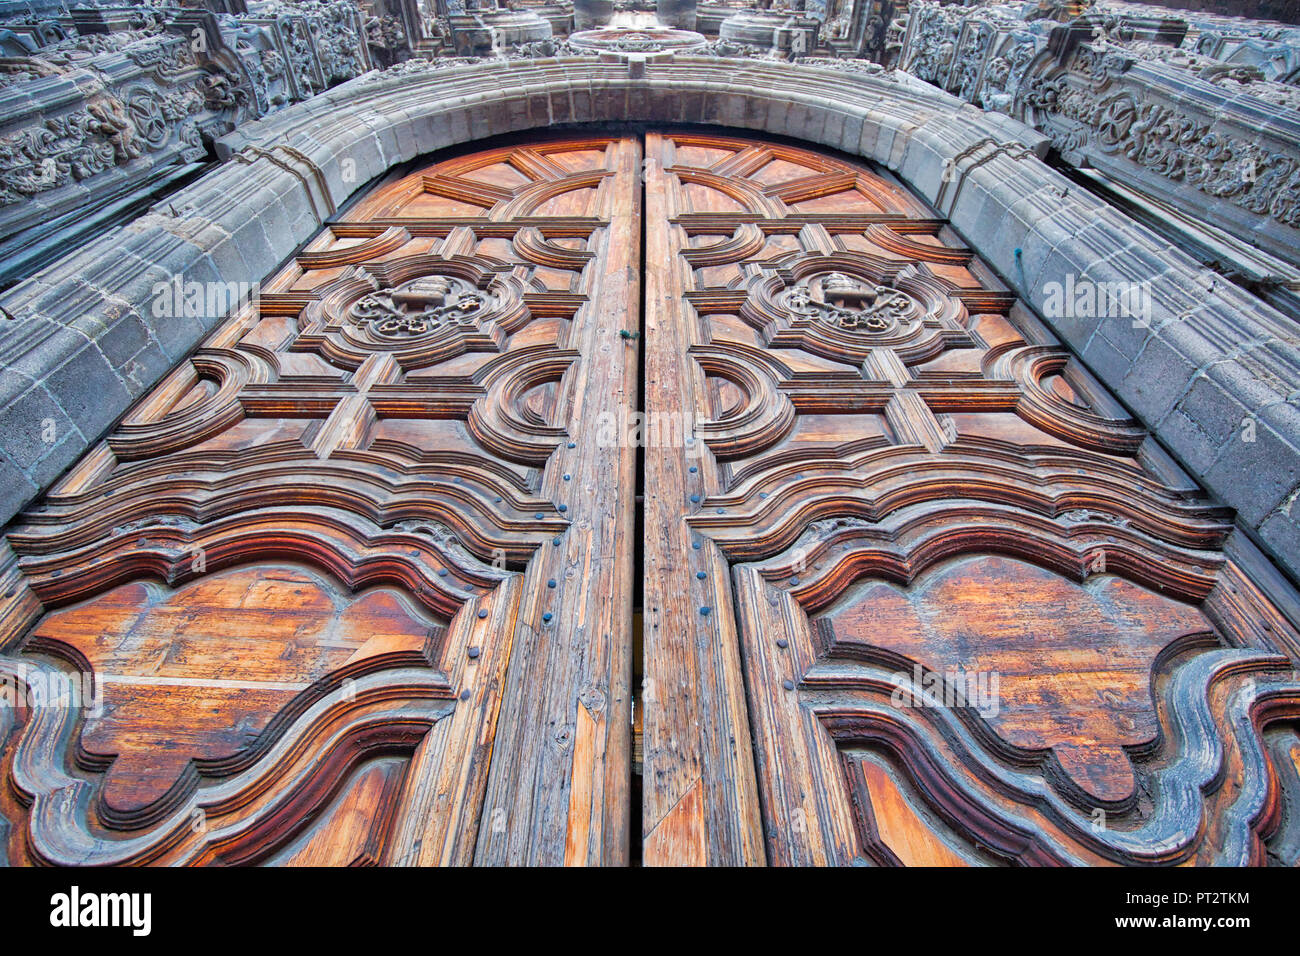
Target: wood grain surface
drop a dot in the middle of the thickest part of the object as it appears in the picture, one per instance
(354, 583)
(960, 607)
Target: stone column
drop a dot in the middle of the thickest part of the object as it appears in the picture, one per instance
(677, 13)
(589, 14)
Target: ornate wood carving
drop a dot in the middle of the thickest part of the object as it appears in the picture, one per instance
(307, 575)
(354, 584)
(969, 611)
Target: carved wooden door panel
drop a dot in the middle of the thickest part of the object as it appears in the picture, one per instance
(919, 592)
(353, 583)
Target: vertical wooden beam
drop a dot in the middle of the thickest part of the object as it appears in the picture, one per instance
(700, 799)
(559, 788)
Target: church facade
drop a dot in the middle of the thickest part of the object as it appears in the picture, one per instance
(596, 434)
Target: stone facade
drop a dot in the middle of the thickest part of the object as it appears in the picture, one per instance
(1119, 90)
(1171, 106)
(89, 119)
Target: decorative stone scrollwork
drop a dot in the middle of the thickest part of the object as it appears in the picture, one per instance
(1120, 90)
(148, 95)
(653, 40)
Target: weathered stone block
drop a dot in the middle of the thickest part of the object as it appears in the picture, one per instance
(89, 390)
(32, 425)
(1255, 477)
(1157, 378)
(16, 489)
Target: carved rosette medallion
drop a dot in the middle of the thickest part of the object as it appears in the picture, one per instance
(850, 304)
(421, 307)
(843, 308)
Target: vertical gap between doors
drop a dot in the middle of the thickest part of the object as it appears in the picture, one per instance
(638, 539)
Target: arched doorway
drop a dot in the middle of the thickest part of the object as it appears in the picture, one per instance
(726, 440)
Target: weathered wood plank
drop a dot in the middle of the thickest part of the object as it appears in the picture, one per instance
(700, 804)
(559, 790)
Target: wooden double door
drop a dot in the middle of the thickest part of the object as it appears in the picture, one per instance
(669, 497)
